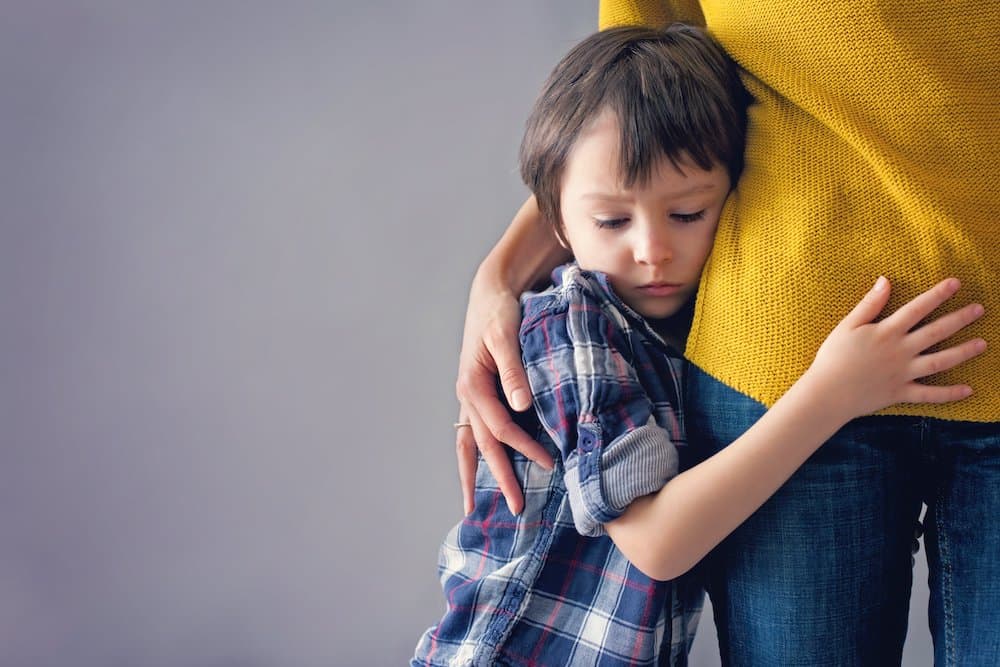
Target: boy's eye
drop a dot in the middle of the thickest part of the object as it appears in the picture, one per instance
(610, 223)
(688, 217)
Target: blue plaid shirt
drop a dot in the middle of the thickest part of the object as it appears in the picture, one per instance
(548, 587)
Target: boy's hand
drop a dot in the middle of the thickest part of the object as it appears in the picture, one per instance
(489, 349)
(865, 366)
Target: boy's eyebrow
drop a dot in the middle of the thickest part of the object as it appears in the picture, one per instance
(606, 196)
(611, 196)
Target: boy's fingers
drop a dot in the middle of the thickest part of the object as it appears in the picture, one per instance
(936, 362)
(945, 326)
(912, 312)
(870, 305)
(922, 393)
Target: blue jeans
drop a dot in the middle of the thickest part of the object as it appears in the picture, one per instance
(821, 574)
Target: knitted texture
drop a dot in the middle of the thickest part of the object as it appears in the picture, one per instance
(871, 150)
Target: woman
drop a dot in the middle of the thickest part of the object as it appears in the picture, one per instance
(871, 149)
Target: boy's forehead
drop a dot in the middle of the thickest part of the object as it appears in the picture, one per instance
(602, 118)
(596, 173)
(598, 149)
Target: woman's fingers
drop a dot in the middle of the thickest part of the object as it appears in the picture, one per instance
(497, 423)
(506, 354)
(477, 394)
(945, 326)
(492, 428)
(495, 455)
(476, 390)
(468, 461)
(936, 362)
(913, 311)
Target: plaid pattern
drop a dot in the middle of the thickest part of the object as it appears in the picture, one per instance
(548, 587)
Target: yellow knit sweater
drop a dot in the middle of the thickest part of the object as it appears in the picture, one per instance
(872, 149)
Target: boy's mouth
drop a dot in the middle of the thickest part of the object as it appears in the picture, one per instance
(660, 288)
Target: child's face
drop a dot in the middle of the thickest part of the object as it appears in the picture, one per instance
(652, 239)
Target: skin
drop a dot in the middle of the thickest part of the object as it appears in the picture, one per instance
(490, 351)
(652, 240)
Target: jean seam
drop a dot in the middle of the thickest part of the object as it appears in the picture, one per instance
(944, 550)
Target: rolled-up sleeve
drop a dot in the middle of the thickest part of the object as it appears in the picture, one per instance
(589, 399)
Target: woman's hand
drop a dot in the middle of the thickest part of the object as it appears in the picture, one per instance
(525, 254)
(490, 349)
(866, 366)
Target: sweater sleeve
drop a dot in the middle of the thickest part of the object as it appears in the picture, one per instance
(589, 399)
(651, 13)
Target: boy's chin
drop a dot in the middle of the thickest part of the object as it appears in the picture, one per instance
(664, 312)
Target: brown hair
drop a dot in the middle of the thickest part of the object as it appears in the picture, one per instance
(673, 91)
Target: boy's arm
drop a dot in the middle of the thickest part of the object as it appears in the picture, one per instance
(525, 255)
(860, 368)
(590, 401)
(650, 13)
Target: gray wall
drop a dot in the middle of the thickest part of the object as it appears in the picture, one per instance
(236, 240)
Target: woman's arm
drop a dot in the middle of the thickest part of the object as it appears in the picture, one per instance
(525, 255)
(860, 368)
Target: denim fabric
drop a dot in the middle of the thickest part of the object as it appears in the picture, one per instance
(963, 543)
(821, 574)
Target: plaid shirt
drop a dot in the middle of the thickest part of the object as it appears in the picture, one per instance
(548, 587)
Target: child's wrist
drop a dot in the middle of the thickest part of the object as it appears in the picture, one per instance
(826, 400)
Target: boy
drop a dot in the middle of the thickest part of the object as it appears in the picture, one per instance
(631, 151)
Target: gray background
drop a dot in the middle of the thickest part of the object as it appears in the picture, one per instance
(235, 248)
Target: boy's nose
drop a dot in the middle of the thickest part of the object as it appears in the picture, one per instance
(653, 247)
